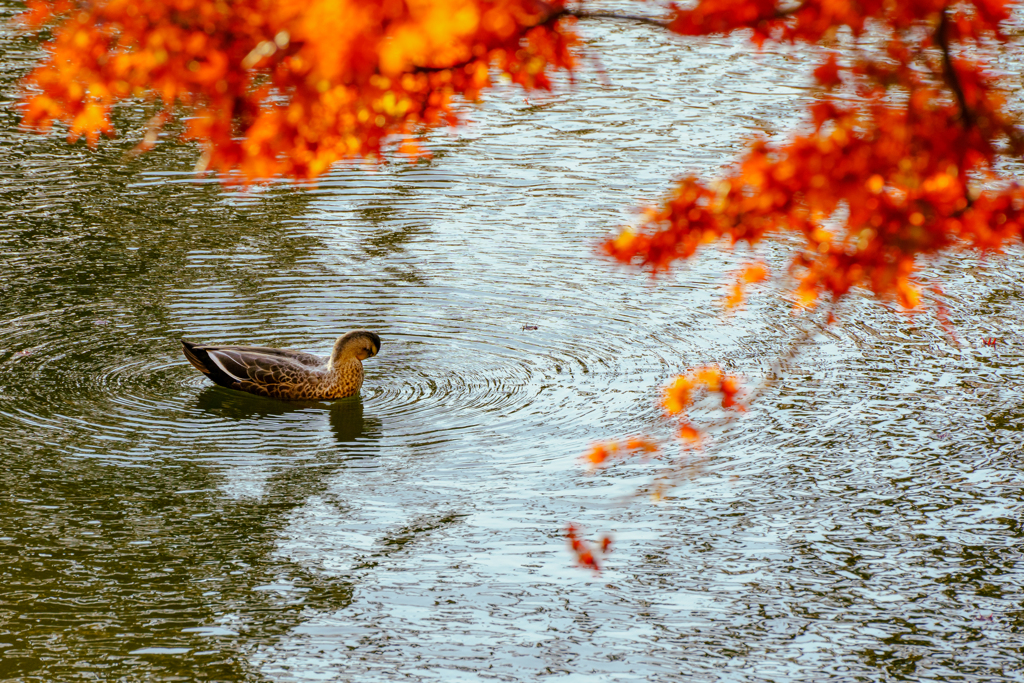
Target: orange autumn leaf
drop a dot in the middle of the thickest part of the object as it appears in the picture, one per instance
(709, 376)
(735, 297)
(90, 122)
(642, 445)
(754, 272)
(730, 390)
(689, 434)
(596, 456)
(827, 74)
(676, 397)
(600, 453)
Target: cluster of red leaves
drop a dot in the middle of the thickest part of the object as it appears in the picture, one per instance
(677, 397)
(906, 168)
(281, 87)
(680, 395)
(587, 555)
(813, 20)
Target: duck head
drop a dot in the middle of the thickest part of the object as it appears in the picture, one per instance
(358, 344)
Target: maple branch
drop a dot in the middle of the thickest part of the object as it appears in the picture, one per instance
(967, 116)
(582, 14)
(942, 38)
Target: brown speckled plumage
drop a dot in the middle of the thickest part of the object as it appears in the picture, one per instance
(284, 374)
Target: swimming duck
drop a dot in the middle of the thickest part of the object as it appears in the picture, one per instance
(285, 374)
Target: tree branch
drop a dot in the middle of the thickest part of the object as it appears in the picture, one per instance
(635, 18)
(942, 38)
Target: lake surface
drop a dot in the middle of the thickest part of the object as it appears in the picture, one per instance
(862, 523)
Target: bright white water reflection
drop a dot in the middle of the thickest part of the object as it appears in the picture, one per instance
(863, 523)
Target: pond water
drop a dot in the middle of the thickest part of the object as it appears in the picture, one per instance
(863, 522)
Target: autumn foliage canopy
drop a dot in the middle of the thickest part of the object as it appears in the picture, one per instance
(898, 160)
(899, 156)
(286, 87)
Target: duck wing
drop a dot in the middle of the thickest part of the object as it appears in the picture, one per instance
(278, 373)
(301, 357)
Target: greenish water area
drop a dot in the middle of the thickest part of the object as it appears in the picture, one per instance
(863, 522)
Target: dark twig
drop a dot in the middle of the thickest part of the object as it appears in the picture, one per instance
(636, 18)
(942, 38)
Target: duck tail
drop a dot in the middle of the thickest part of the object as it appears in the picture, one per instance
(199, 356)
(195, 356)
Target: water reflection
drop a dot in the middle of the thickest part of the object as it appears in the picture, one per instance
(863, 524)
(1011, 418)
(345, 417)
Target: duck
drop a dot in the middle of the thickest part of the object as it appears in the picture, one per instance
(285, 374)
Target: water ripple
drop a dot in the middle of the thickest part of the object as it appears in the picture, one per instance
(862, 522)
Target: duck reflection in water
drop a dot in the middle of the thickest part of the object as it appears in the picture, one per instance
(344, 416)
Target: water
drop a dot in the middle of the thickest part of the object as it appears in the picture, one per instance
(862, 523)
